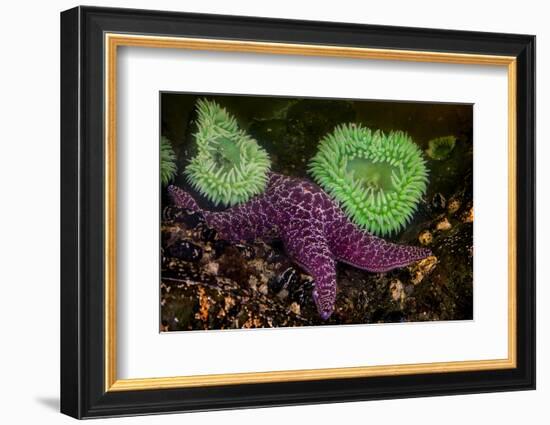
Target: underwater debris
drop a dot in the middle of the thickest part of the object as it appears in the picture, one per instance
(230, 167)
(377, 178)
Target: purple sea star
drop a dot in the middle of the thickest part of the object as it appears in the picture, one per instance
(315, 231)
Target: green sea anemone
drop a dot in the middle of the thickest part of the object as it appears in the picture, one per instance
(230, 167)
(377, 178)
(167, 161)
(441, 147)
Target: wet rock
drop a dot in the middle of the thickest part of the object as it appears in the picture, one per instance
(274, 257)
(208, 234)
(234, 266)
(288, 278)
(184, 250)
(438, 202)
(422, 268)
(301, 290)
(283, 294)
(395, 317)
(246, 250)
(219, 246)
(274, 284)
(192, 219)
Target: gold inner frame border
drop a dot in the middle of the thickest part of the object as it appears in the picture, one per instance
(111, 43)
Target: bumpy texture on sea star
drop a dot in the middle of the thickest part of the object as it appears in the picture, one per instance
(314, 229)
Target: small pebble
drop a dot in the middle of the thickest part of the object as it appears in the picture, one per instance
(397, 290)
(295, 308)
(263, 289)
(212, 268)
(253, 282)
(444, 224)
(468, 217)
(454, 206)
(229, 303)
(425, 237)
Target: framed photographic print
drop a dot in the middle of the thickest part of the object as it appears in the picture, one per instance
(261, 212)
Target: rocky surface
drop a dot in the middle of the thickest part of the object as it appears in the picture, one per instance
(210, 284)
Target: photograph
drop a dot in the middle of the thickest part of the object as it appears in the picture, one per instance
(289, 211)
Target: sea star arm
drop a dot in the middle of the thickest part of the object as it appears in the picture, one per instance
(309, 248)
(354, 246)
(242, 222)
(182, 199)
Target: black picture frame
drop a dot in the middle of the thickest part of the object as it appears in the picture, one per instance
(83, 392)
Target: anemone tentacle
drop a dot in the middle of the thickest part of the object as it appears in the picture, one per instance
(377, 178)
(168, 166)
(230, 167)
